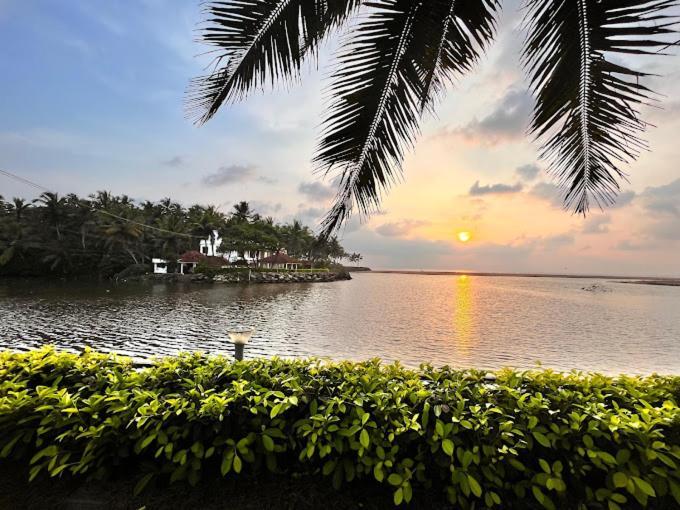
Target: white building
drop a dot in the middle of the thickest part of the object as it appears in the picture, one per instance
(206, 247)
(160, 266)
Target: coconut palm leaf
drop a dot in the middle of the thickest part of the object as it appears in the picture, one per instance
(391, 66)
(467, 28)
(258, 41)
(398, 58)
(587, 95)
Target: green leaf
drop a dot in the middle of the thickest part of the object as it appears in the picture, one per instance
(227, 462)
(268, 443)
(447, 447)
(6, 450)
(395, 479)
(541, 438)
(408, 492)
(142, 483)
(398, 496)
(328, 467)
(675, 490)
(620, 479)
(378, 472)
(364, 439)
(538, 494)
(644, 486)
(49, 451)
(275, 411)
(474, 486)
(147, 441)
(237, 464)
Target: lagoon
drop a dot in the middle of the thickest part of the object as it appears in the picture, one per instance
(464, 321)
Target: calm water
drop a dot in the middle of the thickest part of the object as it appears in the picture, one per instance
(485, 322)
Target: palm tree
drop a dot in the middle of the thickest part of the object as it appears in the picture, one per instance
(122, 234)
(83, 218)
(171, 245)
(102, 200)
(19, 206)
(210, 221)
(242, 212)
(297, 238)
(399, 57)
(55, 209)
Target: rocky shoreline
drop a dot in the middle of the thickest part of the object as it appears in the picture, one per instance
(288, 277)
(244, 277)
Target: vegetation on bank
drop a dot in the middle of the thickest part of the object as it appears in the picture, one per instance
(105, 234)
(524, 440)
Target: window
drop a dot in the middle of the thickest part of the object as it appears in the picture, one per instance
(204, 250)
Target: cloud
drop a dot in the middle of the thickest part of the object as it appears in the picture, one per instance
(265, 208)
(230, 175)
(528, 172)
(554, 195)
(549, 192)
(310, 216)
(317, 191)
(175, 161)
(557, 241)
(491, 189)
(398, 252)
(507, 122)
(624, 198)
(626, 245)
(267, 180)
(596, 225)
(663, 199)
(667, 229)
(668, 111)
(233, 174)
(399, 228)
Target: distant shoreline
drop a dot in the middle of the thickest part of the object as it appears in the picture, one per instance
(643, 280)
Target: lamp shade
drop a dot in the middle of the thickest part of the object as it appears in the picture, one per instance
(240, 335)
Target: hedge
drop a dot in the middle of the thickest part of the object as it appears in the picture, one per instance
(535, 439)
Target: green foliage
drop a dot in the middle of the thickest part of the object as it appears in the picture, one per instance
(528, 440)
(105, 234)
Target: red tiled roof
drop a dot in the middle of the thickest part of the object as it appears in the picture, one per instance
(192, 256)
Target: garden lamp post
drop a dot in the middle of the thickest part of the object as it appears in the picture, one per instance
(240, 335)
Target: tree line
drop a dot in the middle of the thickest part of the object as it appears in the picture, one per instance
(105, 234)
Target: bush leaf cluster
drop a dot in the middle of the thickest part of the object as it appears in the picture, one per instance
(535, 439)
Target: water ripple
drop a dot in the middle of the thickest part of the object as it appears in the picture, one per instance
(462, 321)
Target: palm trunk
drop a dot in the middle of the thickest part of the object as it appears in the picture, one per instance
(131, 253)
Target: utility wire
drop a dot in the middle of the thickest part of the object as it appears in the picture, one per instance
(107, 213)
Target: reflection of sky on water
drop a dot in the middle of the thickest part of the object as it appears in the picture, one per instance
(459, 320)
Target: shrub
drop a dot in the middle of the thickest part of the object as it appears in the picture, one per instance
(526, 440)
(133, 270)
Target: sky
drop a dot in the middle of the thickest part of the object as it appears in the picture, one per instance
(91, 98)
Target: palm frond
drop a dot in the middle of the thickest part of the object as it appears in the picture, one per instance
(587, 96)
(468, 27)
(259, 41)
(394, 62)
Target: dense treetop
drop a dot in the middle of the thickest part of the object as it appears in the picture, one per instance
(104, 233)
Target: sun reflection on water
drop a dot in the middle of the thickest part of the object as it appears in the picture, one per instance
(463, 314)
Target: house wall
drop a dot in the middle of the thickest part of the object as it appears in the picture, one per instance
(206, 248)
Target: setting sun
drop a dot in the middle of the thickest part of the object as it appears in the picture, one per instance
(464, 236)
